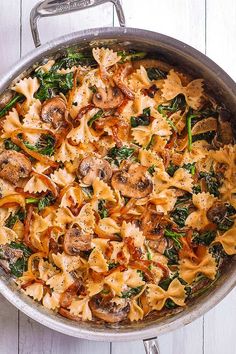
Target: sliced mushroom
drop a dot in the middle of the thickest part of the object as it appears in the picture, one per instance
(54, 111)
(216, 212)
(5, 98)
(92, 167)
(9, 256)
(110, 97)
(121, 73)
(14, 165)
(132, 183)
(224, 133)
(75, 242)
(109, 311)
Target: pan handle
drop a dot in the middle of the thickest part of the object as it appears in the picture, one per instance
(151, 346)
(58, 7)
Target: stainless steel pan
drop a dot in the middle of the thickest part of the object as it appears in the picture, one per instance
(178, 54)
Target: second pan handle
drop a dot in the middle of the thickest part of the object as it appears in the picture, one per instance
(58, 7)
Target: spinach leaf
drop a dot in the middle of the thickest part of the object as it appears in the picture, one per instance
(171, 169)
(226, 222)
(130, 55)
(175, 236)
(120, 154)
(196, 189)
(10, 104)
(204, 238)
(142, 119)
(208, 136)
(169, 304)
(17, 268)
(186, 198)
(112, 265)
(173, 255)
(212, 182)
(74, 59)
(9, 145)
(156, 74)
(131, 292)
(14, 217)
(151, 169)
(95, 117)
(53, 83)
(102, 210)
(44, 146)
(45, 201)
(190, 167)
(180, 215)
(178, 103)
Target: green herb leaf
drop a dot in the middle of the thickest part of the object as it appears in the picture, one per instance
(95, 117)
(120, 154)
(9, 145)
(151, 169)
(180, 215)
(156, 74)
(177, 104)
(175, 236)
(20, 265)
(13, 217)
(171, 169)
(173, 255)
(190, 167)
(143, 119)
(45, 201)
(10, 104)
(130, 55)
(204, 238)
(102, 210)
(212, 182)
(45, 145)
(131, 292)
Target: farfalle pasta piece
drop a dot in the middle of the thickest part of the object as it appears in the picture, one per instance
(35, 290)
(193, 92)
(62, 177)
(164, 201)
(228, 240)
(149, 158)
(158, 296)
(105, 57)
(130, 230)
(7, 235)
(11, 122)
(38, 226)
(132, 278)
(97, 262)
(80, 308)
(45, 68)
(141, 102)
(68, 263)
(138, 80)
(6, 188)
(39, 183)
(181, 179)
(116, 282)
(51, 302)
(83, 133)
(108, 226)
(72, 196)
(46, 270)
(101, 190)
(27, 87)
(159, 127)
(93, 287)
(60, 282)
(198, 152)
(86, 219)
(189, 269)
(66, 152)
(32, 119)
(198, 219)
(136, 313)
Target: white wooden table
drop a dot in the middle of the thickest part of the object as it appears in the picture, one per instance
(208, 25)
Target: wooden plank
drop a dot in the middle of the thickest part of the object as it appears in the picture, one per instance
(8, 327)
(221, 34)
(167, 17)
(37, 339)
(33, 337)
(9, 34)
(53, 27)
(219, 329)
(10, 52)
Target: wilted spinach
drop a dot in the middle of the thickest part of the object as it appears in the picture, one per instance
(18, 267)
(212, 182)
(95, 117)
(205, 238)
(10, 104)
(131, 292)
(14, 217)
(44, 146)
(9, 145)
(120, 154)
(156, 74)
(142, 119)
(130, 55)
(177, 104)
(102, 210)
(180, 215)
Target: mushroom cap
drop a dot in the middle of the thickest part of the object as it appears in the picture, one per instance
(92, 167)
(216, 212)
(74, 242)
(132, 183)
(108, 311)
(14, 165)
(53, 111)
(110, 97)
